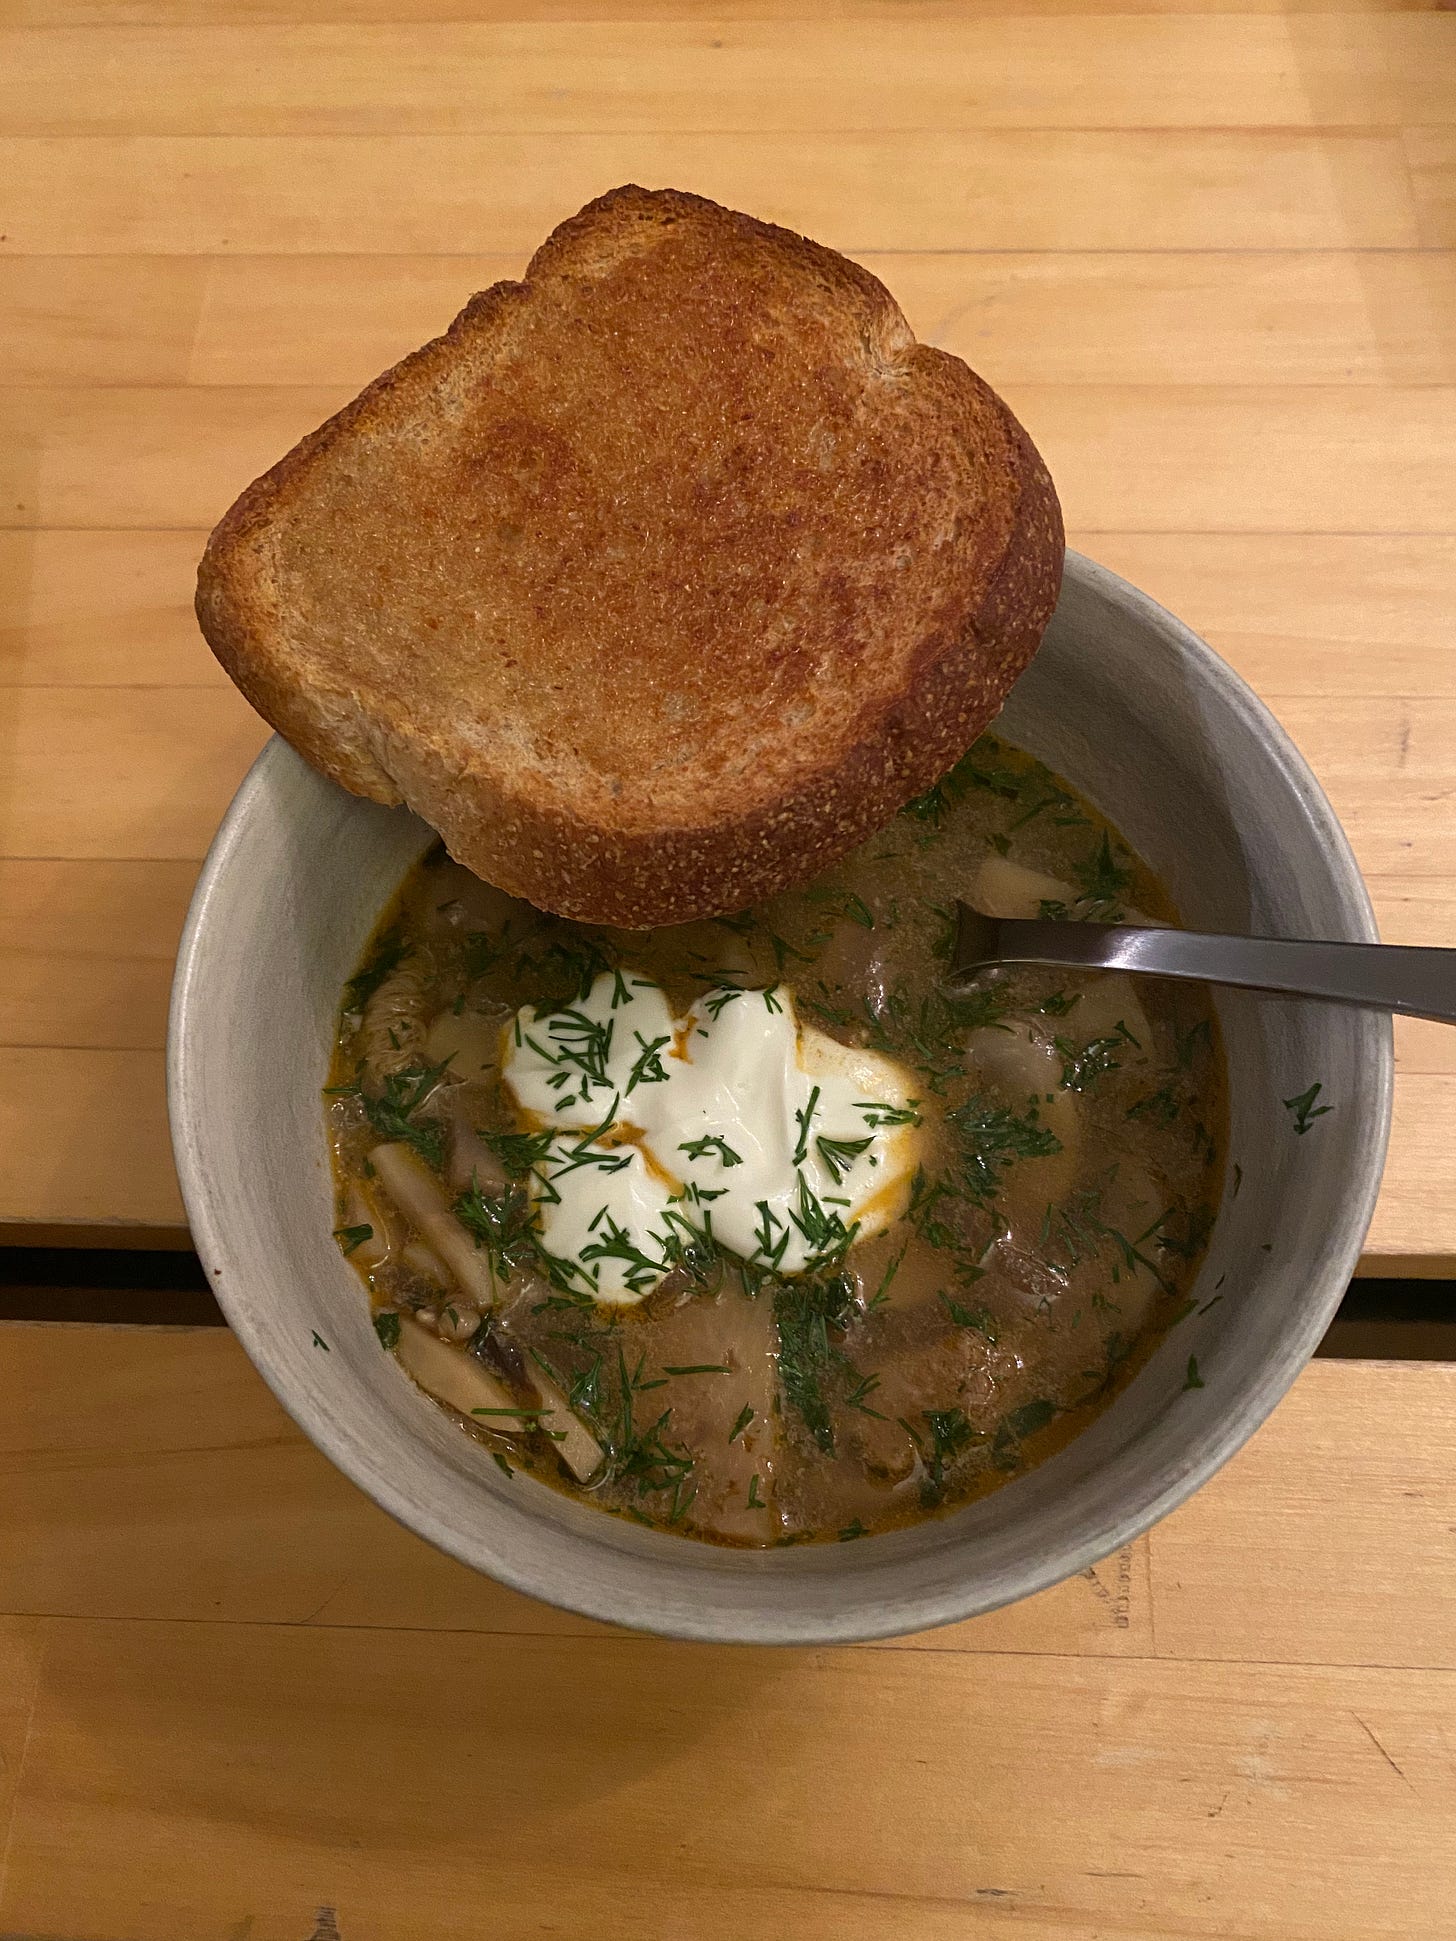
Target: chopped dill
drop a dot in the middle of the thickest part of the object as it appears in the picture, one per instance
(979, 1318)
(389, 953)
(806, 1311)
(805, 1118)
(840, 1154)
(1304, 1109)
(391, 1112)
(647, 1069)
(711, 1142)
(994, 1137)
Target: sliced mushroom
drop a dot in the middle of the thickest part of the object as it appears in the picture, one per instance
(460, 1379)
(471, 1160)
(425, 1262)
(578, 1448)
(392, 1032)
(1022, 1067)
(1007, 889)
(1004, 888)
(420, 1197)
(1105, 1003)
(363, 1209)
(469, 1040)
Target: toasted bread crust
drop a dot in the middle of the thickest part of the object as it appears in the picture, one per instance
(531, 653)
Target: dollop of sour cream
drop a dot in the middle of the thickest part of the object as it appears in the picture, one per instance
(736, 1122)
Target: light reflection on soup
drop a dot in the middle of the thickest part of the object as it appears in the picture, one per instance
(1069, 1134)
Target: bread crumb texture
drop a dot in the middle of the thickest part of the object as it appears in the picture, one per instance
(659, 581)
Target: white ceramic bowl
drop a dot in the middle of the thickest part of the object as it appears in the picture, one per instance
(1143, 718)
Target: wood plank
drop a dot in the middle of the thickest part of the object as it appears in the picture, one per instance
(182, 1491)
(187, 1493)
(998, 71)
(1201, 317)
(1302, 458)
(87, 1151)
(132, 456)
(1431, 157)
(1420, 1178)
(1309, 459)
(1339, 1533)
(86, 951)
(214, 1779)
(121, 319)
(159, 13)
(359, 195)
(22, 1651)
(101, 609)
(1309, 614)
(146, 772)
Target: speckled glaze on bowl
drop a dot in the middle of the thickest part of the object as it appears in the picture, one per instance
(1161, 735)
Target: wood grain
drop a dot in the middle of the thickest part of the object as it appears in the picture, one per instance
(157, 13)
(128, 456)
(184, 1492)
(122, 772)
(1013, 189)
(101, 609)
(254, 1696)
(1099, 71)
(1307, 459)
(1301, 458)
(86, 951)
(84, 1133)
(1431, 160)
(1202, 317)
(213, 1779)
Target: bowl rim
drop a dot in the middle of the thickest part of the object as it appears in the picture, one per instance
(786, 1627)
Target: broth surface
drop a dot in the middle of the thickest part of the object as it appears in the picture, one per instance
(1070, 1149)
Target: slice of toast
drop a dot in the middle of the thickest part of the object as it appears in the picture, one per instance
(659, 581)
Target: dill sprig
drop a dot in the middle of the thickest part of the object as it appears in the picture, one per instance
(391, 1111)
(805, 1311)
(839, 1155)
(993, 1137)
(502, 1224)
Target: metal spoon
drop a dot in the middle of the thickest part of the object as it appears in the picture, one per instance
(1389, 977)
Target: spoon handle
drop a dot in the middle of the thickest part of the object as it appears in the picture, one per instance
(1415, 980)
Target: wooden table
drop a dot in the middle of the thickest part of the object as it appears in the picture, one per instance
(1208, 259)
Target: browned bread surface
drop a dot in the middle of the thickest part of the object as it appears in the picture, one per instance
(659, 581)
